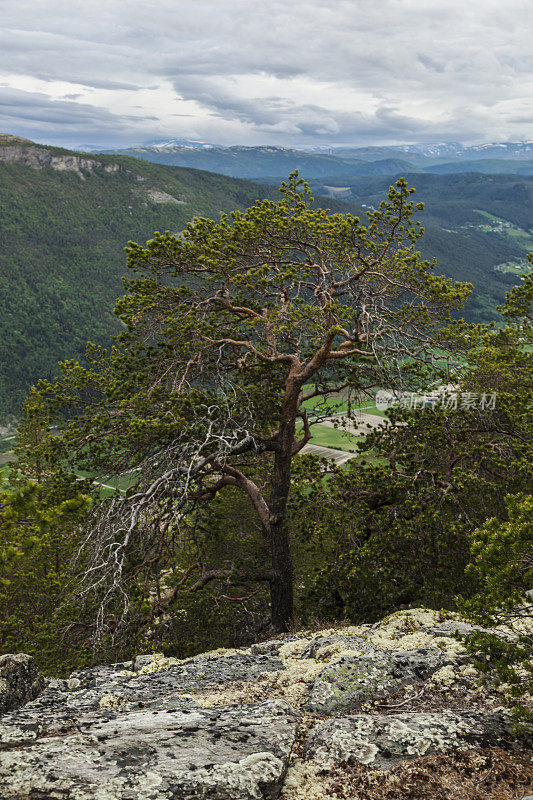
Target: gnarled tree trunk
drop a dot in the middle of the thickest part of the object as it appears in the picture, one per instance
(282, 585)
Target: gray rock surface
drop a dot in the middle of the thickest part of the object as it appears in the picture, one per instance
(116, 687)
(324, 643)
(239, 753)
(218, 726)
(383, 741)
(39, 157)
(19, 681)
(453, 627)
(347, 683)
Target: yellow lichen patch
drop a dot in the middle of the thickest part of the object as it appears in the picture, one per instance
(293, 650)
(520, 625)
(412, 641)
(304, 782)
(292, 684)
(334, 652)
(113, 701)
(468, 671)
(221, 652)
(354, 630)
(451, 675)
(236, 694)
(414, 618)
(347, 630)
(160, 662)
(157, 664)
(444, 677)
(295, 681)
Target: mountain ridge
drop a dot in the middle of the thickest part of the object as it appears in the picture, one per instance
(265, 161)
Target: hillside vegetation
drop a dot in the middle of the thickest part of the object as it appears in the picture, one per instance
(62, 235)
(479, 227)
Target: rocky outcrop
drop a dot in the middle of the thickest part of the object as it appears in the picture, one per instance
(289, 718)
(19, 681)
(383, 741)
(157, 196)
(40, 157)
(348, 682)
(239, 752)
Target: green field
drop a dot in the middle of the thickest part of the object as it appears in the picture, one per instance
(324, 436)
(521, 267)
(522, 238)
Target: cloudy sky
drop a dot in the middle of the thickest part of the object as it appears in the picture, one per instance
(119, 72)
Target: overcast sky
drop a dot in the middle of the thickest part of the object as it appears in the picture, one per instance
(289, 73)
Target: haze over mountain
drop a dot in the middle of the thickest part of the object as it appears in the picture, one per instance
(267, 161)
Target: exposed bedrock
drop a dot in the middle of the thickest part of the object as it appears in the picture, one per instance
(281, 719)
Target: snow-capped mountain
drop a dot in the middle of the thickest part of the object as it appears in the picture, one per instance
(457, 150)
(193, 144)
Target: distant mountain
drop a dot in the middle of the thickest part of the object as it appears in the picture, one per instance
(246, 162)
(268, 162)
(498, 150)
(488, 166)
(65, 218)
(444, 150)
(192, 144)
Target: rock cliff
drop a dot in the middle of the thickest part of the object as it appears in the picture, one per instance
(393, 710)
(31, 155)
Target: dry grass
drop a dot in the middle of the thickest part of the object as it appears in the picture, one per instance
(464, 775)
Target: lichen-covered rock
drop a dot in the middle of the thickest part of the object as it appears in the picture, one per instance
(323, 646)
(348, 682)
(221, 725)
(383, 741)
(453, 627)
(19, 681)
(164, 683)
(240, 753)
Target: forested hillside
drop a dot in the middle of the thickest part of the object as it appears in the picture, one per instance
(480, 227)
(452, 199)
(62, 235)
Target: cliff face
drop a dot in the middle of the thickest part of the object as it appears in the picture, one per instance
(394, 710)
(31, 155)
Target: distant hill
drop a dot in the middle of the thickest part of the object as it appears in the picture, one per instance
(445, 151)
(489, 166)
(258, 163)
(261, 162)
(451, 198)
(65, 217)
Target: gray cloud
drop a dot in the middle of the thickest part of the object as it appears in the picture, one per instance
(247, 71)
(33, 114)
